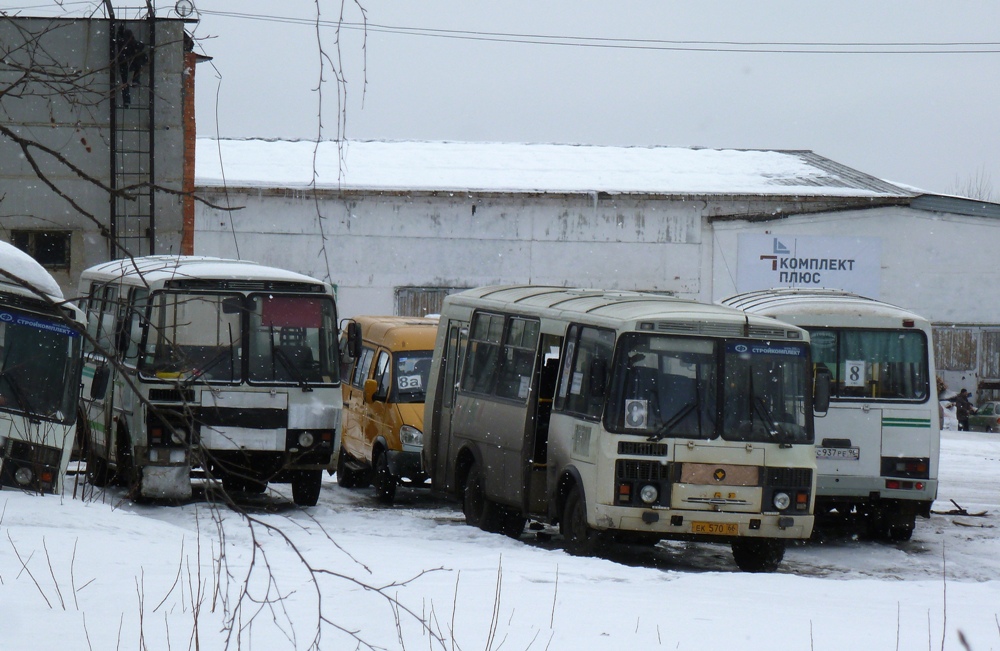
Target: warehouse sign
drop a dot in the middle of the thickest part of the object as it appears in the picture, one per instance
(853, 264)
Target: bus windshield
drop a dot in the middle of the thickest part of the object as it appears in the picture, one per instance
(194, 337)
(293, 339)
(413, 367)
(765, 392)
(874, 364)
(666, 386)
(39, 362)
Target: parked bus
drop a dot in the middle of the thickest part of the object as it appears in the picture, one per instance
(40, 343)
(223, 365)
(623, 416)
(877, 447)
(384, 389)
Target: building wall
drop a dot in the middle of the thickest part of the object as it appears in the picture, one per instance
(370, 245)
(65, 108)
(931, 263)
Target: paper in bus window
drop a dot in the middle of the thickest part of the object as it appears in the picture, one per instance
(855, 374)
(291, 312)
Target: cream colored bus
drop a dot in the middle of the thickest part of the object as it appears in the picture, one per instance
(877, 447)
(623, 416)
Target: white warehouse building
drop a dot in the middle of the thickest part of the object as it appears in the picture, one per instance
(398, 225)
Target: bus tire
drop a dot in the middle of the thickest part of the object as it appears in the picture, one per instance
(385, 481)
(346, 478)
(758, 554)
(306, 485)
(480, 511)
(127, 475)
(98, 474)
(513, 523)
(579, 539)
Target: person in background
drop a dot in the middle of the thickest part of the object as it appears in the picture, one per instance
(963, 408)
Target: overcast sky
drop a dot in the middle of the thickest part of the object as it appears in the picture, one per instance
(767, 75)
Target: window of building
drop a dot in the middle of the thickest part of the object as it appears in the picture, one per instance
(421, 301)
(49, 248)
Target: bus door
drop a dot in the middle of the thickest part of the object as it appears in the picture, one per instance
(848, 442)
(98, 372)
(535, 453)
(451, 371)
(910, 435)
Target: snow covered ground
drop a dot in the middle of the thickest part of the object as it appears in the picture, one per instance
(107, 574)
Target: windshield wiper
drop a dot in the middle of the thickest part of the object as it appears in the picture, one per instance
(292, 369)
(209, 365)
(19, 397)
(765, 415)
(675, 421)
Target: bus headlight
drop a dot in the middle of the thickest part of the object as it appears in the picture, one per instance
(411, 436)
(306, 439)
(24, 476)
(782, 501)
(649, 494)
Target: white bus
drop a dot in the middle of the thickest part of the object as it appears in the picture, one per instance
(877, 448)
(223, 365)
(623, 416)
(40, 343)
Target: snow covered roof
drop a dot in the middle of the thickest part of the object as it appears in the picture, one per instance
(21, 265)
(156, 268)
(528, 168)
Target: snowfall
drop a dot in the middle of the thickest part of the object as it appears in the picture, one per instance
(90, 570)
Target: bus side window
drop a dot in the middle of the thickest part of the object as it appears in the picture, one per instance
(133, 321)
(588, 349)
(362, 367)
(101, 312)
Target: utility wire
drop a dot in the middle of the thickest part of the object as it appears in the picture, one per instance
(750, 47)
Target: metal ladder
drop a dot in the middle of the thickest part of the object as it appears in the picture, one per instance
(133, 225)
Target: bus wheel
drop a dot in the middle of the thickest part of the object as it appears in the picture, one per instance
(98, 474)
(579, 538)
(479, 510)
(758, 554)
(385, 481)
(128, 475)
(305, 487)
(346, 477)
(513, 523)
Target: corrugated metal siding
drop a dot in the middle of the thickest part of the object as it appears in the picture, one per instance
(421, 301)
(989, 359)
(954, 348)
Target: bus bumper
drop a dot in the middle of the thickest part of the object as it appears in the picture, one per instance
(166, 482)
(688, 525)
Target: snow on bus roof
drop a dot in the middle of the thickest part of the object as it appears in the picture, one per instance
(160, 267)
(21, 265)
(527, 168)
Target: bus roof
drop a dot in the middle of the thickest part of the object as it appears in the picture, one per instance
(158, 268)
(666, 313)
(23, 267)
(788, 302)
(399, 332)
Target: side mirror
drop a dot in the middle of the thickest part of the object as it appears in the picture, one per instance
(598, 377)
(821, 391)
(371, 386)
(354, 339)
(99, 387)
(232, 305)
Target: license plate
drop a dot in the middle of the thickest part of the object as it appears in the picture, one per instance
(850, 454)
(716, 528)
